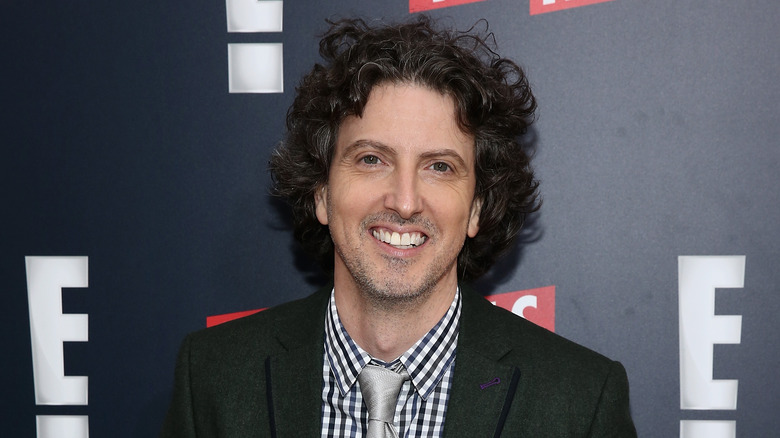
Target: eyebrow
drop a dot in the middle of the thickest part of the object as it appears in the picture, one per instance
(362, 144)
(385, 149)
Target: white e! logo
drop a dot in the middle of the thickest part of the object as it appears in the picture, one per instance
(700, 329)
(49, 328)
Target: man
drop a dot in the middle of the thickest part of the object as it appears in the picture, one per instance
(405, 174)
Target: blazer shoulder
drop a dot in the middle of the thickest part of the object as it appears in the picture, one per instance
(522, 341)
(276, 327)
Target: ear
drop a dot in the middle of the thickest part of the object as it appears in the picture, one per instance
(321, 204)
(476, 209)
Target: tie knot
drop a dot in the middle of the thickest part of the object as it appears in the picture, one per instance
(380, 387)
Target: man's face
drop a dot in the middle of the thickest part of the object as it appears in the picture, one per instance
(400, 196)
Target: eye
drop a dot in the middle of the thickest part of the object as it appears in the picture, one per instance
(370, 159)
(440, 167)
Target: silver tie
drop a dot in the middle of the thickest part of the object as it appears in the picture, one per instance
(380, 387)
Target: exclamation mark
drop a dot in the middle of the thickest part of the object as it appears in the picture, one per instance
(256, 67)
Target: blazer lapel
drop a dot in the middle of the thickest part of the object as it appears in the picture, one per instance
(294, 376)
(483, 388)
(482, 392)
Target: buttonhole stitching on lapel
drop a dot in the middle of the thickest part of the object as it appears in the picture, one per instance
(495, 381)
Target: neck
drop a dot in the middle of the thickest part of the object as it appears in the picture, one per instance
(386, 329)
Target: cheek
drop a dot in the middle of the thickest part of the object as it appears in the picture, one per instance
(342, 204)
(453, 213)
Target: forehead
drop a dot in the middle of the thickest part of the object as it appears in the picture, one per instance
(409, 118)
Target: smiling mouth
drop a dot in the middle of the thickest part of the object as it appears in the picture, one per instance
(400, 240)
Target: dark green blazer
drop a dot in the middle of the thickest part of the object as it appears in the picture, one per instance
(261, 376)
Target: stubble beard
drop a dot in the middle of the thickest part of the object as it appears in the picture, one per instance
(388, 287)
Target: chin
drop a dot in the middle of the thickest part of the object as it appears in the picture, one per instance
(393, 293)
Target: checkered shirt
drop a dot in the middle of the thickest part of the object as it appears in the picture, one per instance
(422, 402)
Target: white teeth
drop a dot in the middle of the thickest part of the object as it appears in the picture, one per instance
(403, 241)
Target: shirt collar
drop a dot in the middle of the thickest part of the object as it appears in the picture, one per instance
(426, 361)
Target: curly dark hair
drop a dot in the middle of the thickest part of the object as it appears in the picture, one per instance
(493, 101)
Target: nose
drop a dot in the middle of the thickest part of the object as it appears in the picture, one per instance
(403, 194)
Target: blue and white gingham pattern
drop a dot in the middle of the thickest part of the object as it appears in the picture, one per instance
(422, 403)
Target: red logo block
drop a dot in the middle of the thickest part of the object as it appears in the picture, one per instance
(542, 6)
(426, 5)
(211, 321)
(535, 305)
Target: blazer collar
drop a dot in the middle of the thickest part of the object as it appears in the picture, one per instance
(480, 378)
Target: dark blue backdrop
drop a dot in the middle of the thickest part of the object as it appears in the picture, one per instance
(657, 137)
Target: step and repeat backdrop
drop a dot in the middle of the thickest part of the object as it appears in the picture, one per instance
(135, 139)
